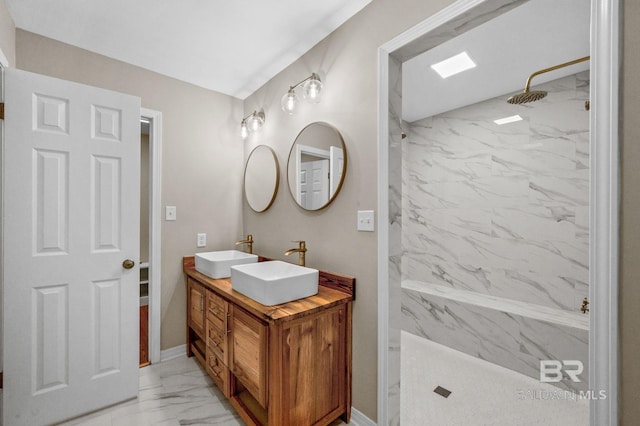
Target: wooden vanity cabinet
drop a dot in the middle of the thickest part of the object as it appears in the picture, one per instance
(288, 364)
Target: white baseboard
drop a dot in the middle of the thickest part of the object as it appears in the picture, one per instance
(359, 419)
(174, 352)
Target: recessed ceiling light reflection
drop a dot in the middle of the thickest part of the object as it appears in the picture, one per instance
(507, 120)
(454, 65)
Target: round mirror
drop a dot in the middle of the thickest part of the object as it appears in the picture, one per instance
(261, 178)
(317, 166)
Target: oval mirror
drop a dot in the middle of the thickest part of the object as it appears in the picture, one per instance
(261, 178)
(317, 165)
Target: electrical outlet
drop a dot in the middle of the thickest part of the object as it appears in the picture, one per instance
(201, 240)
(366, 220)
(170, 213)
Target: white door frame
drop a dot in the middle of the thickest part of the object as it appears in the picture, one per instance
(4, 63)
(603, 208)
(155, 231)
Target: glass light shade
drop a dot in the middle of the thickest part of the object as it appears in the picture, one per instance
(312, 89)
(244, 131)
(255, 122)
(289, 102)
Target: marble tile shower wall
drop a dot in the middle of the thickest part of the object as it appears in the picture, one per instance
(502, 210)
(395, 242)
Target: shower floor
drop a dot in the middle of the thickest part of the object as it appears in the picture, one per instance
(482, 393)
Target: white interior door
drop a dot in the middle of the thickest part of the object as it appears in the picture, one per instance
(303, 185)
(71, 177)
(314, 178)
(336, 160)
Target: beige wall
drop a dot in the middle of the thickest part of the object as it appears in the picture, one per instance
(630, 221)
(202, 156)
(347, 63)
(7, 34)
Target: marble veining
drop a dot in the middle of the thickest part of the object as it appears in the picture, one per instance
(496, 330)
(495, 230)
(509, 306)
(501, 210)
(396, 127)
(172, 393)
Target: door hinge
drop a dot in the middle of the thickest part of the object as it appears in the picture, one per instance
(1, 380)
(1, 110)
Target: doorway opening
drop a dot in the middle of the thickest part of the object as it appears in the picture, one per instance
(150, 235)
(603, 196)
(145, 239)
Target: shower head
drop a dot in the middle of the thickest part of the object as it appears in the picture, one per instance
(535, 95)
(527, 96)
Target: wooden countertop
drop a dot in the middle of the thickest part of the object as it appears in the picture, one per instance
(326, 297)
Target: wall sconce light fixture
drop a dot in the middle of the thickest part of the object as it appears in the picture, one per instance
(311, 91)
(251, 123)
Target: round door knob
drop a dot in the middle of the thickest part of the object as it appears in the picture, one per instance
(128, 264)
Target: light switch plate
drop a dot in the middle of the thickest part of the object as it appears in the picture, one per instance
(201, 240)
(170, 213)
(366, 220)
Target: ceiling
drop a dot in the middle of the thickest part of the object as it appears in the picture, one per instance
(506, 49)
(232, 47)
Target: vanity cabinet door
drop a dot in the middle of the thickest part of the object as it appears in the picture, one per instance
(197, 300)
(248, 353)
(313, 367)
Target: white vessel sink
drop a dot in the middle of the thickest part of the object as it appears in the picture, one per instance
(216, 264)
(275, 282)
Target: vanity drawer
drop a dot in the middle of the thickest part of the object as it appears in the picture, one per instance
(219, 373)
(217, 341)
(217, 310)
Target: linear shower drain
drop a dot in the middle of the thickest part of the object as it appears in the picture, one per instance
(442, 391)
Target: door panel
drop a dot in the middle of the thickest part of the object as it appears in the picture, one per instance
(70, 217)
(106, 327)
(51, 181)
(50, 312)
(319, 183)
(105, 199)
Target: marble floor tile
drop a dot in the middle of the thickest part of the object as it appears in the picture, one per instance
(172, 393)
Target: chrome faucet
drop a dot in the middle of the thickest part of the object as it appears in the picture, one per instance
(248, 242)
(301, 250)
